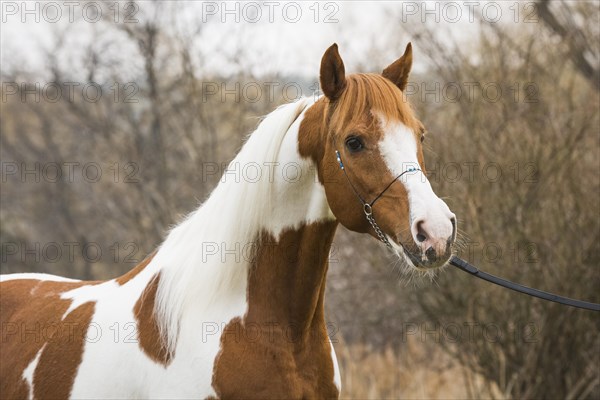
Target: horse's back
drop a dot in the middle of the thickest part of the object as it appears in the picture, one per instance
(37, 335)
(24, 296)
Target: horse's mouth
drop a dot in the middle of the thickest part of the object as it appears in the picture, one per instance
(427, 265)
(418, 261)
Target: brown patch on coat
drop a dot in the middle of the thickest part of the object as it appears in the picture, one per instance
(147, 325)
(31, 314)
(123, 279)
(58, 364)
(280, 349)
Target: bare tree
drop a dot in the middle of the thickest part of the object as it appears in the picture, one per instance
(565, 20)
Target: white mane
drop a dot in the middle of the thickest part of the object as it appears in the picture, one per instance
(228, 220)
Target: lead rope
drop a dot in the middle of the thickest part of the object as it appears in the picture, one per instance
(540, 294)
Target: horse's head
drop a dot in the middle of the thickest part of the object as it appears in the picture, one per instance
(366, 142)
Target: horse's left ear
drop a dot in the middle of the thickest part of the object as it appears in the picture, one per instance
(399, 70)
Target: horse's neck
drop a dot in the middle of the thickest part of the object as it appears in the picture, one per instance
(286, 283)
(209, 274)
(286, 279)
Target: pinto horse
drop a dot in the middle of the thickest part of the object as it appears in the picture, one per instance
(231, 305)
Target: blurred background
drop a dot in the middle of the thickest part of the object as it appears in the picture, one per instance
(119, 117)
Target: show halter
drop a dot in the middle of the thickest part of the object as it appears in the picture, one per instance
(368, 206)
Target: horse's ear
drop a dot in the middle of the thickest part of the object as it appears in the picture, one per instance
(399, 70)
(333, 74)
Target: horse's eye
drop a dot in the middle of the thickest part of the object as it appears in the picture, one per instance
(354, 144)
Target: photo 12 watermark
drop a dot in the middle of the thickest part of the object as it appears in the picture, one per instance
(253, 12)
(454, 12)
(453, 332)
(70, 91)
(54, 12)
(68, 252)
(69, 172)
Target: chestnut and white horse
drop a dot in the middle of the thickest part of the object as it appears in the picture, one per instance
(231, 304)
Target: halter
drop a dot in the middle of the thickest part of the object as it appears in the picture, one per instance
(368, 206)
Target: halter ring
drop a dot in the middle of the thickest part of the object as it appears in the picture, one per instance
(368, 209)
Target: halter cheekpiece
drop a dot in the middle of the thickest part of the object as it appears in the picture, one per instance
(368, 206)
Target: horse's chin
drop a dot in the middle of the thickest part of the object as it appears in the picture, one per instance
(414, 262)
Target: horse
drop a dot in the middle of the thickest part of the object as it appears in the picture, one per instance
(231, 304)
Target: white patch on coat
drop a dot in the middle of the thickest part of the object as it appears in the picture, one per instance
(337, 378)
(29, 371)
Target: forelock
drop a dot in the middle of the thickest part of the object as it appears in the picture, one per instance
(368, 94)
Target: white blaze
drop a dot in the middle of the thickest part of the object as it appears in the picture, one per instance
(399, 150)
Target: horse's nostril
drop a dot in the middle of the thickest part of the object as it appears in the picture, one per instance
(430, 253)
(421, 233)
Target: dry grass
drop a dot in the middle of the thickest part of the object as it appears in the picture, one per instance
(415, 371)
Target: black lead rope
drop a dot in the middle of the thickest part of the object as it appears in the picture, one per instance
(471, 269)
(458, 262)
